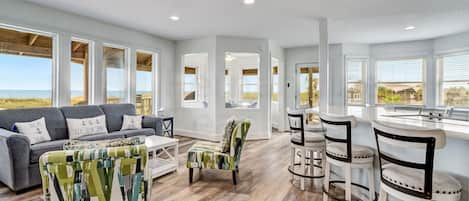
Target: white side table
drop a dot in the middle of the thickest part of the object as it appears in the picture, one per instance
(162, 160)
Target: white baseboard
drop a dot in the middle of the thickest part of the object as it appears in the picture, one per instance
(210, 136)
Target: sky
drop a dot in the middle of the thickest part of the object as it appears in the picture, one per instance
(33, 73)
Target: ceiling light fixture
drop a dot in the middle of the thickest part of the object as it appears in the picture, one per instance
(174, 18)
(410, 27)
(249, 2)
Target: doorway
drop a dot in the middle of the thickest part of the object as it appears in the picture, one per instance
(307, 90)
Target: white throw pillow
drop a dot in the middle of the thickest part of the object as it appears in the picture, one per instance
(35, 130)
(132, 122)
(87, 126)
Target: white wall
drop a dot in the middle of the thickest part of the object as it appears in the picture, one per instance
(66, 25)
(278, 110)
(260, 127)
(196, 121)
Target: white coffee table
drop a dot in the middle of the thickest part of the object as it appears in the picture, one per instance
(163, 152)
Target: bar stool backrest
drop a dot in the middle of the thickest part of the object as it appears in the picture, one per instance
(295, 119)
(406, 137)
(338, 129)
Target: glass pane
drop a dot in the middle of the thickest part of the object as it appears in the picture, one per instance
(456, 68)
(410, 70)
(79, 69)
(275, 78)
(242, 81)
(193, 79)
(355, 93)
(308, 87)
(26, 61)
(402, 93)
(144, 84)
(354, 71)
(114, 62)
(456, 93)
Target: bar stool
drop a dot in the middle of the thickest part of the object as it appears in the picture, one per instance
(411, 180)
(309, 142)
(342, 153)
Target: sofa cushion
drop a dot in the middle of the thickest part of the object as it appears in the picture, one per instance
(38, 149)
(55, 121)
(81, 112)
(115, 114)
(119, 134)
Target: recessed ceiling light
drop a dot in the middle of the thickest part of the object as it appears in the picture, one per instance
(174, 18)
(410, 27)
(249, 2)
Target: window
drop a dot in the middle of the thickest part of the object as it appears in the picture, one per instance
(116, 74)
(26, 62)
(144, 100)
(242, 81)
(275, 79)
(191, 82)
(195, 67)
(454, 80)
(79, 73)
(308, 86)
(250, 86)
(400, 82)
(355, 81)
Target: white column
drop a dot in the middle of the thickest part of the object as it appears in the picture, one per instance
(63, 82)
(323, 65)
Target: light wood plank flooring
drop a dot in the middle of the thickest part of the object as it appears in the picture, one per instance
(263, 176)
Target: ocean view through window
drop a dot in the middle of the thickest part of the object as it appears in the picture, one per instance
(116, 74)
(26, 59)
(79, 73)
(144, 84)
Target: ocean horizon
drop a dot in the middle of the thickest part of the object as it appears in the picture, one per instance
(15, 93)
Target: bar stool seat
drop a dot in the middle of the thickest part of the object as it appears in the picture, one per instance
(309, 137)
(360, 154)
(445, 187)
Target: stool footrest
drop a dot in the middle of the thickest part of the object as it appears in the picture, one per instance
(304, 176)
(343, 182)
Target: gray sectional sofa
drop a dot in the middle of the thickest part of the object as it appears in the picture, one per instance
(19, 167)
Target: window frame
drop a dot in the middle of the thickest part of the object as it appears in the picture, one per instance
(364, 83)
(423, 82)
(155, 80)
(126, 69)
(439, 77)
(243, 84)
(277, 83)
(55, 93)
(197, 85)
(91, 67)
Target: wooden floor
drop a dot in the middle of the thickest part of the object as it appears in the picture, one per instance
(263, 176)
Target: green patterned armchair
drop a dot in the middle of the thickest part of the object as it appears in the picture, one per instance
(104, 174)
(221, 156)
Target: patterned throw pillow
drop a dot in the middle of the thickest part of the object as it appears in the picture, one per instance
(132, 122)
(226, 140)
(35, 130)
(87, 126)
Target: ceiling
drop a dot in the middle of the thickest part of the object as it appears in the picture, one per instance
(288, 22)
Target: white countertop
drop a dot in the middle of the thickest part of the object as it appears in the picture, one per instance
(454, 128)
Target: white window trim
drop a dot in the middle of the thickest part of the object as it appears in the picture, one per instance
(439, 77)
(126, 70)
(424, 80)
(365, 94)
(55, 55)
